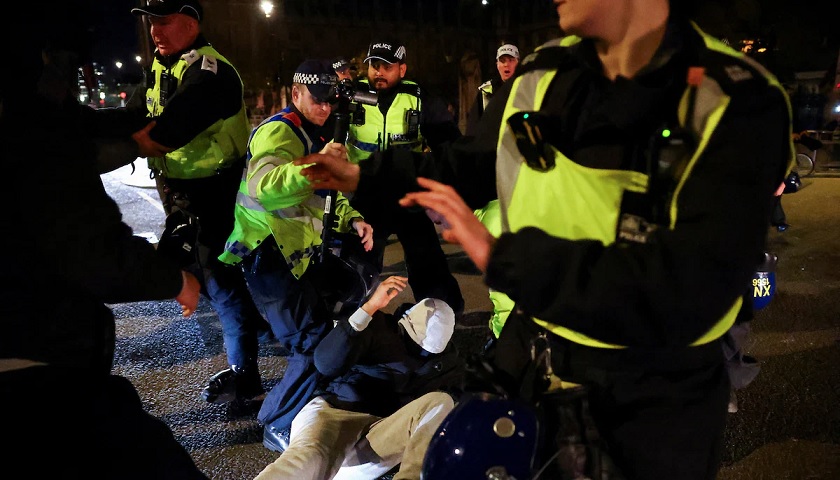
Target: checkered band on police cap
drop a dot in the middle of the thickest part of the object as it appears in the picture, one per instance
(318, 76)
(339, 64)
(306, 78)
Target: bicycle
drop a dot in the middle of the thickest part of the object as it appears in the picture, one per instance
(805, 164)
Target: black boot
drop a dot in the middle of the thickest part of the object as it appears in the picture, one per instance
(235, 383)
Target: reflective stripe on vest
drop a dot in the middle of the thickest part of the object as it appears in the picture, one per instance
(384, 132)
(215, 148)
(246, 198)
(539, 199)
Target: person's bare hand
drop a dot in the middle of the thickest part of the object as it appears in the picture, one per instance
(780, 190)
(365, 232)
(335, 148)
(384, 293)
(147, 146)
(330, 169)
(188, 298)
(460, 224)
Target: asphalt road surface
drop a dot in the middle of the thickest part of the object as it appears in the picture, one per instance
(788, 425)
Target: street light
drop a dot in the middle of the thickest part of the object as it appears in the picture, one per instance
(267, 7)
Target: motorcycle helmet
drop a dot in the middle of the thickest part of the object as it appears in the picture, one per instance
(485, 436)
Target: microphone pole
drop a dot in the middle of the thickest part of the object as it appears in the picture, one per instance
(342, 125)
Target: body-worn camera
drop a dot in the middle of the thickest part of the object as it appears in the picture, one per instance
(527, 129)
(168, 85)
(412, 119)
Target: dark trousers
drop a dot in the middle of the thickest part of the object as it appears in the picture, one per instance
(778, 216)
(648, 413)
(212, 200)
(425, 262)
(90, 426)
(299, 321)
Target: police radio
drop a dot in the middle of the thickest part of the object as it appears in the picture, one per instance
(412, 120)
(168, 86)
(664, 160)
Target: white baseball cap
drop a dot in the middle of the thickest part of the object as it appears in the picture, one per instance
(430, 324)
(507, 49)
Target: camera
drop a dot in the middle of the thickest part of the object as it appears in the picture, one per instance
(346, 89)
(351, 100)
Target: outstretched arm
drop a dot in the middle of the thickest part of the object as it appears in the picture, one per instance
(462, 226)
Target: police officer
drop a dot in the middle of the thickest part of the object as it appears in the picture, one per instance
(405, 120)
(277, 235)
(632, 217)
(507, 59)
(195, 96)
(344, 69)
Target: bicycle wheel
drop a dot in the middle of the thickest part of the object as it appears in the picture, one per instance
(804, 164)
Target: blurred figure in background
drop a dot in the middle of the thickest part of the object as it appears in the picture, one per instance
(344, 69)
(507, 59)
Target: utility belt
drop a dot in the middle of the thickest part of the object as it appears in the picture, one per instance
(557, 377)
(223, 178)
(266, 258)
(524, 345)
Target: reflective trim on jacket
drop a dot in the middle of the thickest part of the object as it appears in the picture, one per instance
(383, 132)
(486, 91)
(216, 147)
(275, 199)
(574, 202)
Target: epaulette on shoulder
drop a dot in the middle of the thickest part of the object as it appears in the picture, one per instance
(208, 62)
(410, 88)
(191, 56)
(554, 54)
(738, 75)
(731, 69)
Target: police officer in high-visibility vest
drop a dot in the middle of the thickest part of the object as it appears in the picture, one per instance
(634, 164)
(406, 119)
(195, 96)
(277, 235)
(507, 59)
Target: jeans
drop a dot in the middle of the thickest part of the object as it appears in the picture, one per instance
(242, 324)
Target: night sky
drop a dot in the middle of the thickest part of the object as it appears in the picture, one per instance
(115, 29)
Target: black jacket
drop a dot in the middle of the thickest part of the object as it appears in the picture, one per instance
(201, 99)
(380, 369)
(665, 293)
(477, 108)
(68, 252)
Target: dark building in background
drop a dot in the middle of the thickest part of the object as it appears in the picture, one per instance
(450, 44)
